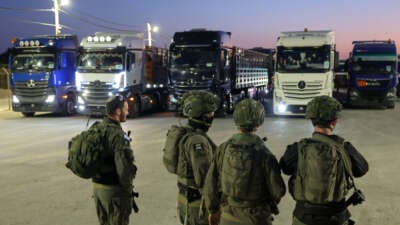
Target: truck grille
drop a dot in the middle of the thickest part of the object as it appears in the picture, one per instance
(96, 92)
(310, 90)
(181, 87)
(31, 88)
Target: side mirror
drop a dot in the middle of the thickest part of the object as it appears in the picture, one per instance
(336, 63)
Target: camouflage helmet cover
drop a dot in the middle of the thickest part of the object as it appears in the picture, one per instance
(323, 109)
(249, 114)
(197, 103)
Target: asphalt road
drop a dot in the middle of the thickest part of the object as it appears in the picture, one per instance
(37, 189)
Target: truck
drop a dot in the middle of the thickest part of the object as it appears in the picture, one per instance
(304, 69)
(119, 63)
(201, 59)
(271, 52)
(372, 69)
(42, 75)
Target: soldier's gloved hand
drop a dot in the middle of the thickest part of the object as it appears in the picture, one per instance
(213, 218)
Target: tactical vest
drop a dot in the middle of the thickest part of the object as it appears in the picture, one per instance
(323, 170)
(243, 176)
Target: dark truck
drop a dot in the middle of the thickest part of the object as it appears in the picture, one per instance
(372, 74)
(200, 59)
(43, 74)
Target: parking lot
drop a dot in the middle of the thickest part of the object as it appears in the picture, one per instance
(37, 189)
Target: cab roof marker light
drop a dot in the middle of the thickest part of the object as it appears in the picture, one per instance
(90, 39)
(102, 39)
(26, 43)
(96, 39)
(37, 43)
(21, 43)
(108, 39)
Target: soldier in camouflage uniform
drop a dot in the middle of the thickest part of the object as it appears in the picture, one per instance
(113, 184)
(244, 184)
(197, 150)
(319, 194)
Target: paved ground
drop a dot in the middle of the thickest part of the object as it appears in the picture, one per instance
(4, 100)
(37, 189)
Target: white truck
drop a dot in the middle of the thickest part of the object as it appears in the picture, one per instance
(120, 63)
(305, 62)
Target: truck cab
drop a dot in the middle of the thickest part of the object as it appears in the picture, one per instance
(201, 59)
(373, 74)
(43, 74)
(305, 61)
(120, 64)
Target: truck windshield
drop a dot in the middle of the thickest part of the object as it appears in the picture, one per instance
(101, 62)
(36, 62)
(373, 67)
(193, 57)
(303, 59)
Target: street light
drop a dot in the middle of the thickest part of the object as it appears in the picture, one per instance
(149, 30)
(57, 5)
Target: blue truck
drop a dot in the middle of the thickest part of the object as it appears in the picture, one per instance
(372, 74)
(43, 74)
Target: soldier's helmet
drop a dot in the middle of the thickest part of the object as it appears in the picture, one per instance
(249, 114)
(197, 103)
(323, 109)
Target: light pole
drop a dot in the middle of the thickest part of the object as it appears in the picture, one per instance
(149, 30)
(57, 5)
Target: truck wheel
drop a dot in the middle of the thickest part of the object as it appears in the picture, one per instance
(135, 111)
(69, 107)
(28, 114)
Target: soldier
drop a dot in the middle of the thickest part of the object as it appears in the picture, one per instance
(244, 183)
(196, 151)
(322, 169)
(113, 185)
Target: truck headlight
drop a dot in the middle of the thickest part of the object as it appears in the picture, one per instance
(80, 100)
(282, 107)
(15, 99)
(50, 99)
(172, 99)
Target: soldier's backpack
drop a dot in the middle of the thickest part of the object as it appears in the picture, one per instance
(171, 148)
(242, 171)
(323, 170)
(85, 151)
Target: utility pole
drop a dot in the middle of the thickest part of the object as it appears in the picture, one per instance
(57, 4)
(56, 17)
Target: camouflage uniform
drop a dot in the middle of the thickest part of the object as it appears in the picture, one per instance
(197, 150)
(322, 110)
(113, 184)
(264, 187)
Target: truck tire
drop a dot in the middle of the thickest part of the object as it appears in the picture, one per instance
(391, 105)
(69, 107)
(28, 114)
(135, 112)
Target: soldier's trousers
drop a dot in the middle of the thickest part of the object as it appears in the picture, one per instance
(113, 204)
(298, 222)
(246, 216)
(191, 212)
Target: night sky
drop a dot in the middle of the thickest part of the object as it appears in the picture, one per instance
(253, 23)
